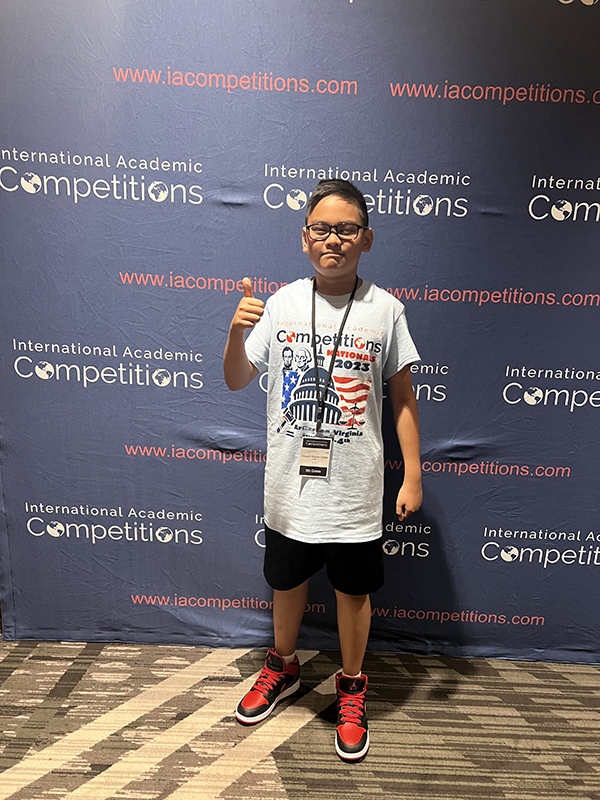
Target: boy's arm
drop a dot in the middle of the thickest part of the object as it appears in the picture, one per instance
(406, 421)
(238, 370)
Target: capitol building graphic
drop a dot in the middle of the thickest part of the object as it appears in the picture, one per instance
(303, 406)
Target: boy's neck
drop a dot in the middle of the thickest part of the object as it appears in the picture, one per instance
(336, 287)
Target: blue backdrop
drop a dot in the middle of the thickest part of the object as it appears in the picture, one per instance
(152, 154)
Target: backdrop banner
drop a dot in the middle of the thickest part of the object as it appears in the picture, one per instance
(154, 153)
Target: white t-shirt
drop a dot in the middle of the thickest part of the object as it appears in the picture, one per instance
(375, 344)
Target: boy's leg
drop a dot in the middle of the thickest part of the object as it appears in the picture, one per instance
(354, 623)
(354, 570)
(286, 563)
(288, 610)
(280, 676)
(352, 730)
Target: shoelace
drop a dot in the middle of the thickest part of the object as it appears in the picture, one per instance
(267, 679)
(351, 708)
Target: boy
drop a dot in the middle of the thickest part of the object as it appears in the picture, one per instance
(324, 474)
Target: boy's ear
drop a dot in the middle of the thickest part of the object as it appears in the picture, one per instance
(304, 240)
(367, 240)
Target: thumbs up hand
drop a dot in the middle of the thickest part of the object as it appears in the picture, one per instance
(250, 309)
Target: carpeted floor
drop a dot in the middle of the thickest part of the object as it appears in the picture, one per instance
(112, 721)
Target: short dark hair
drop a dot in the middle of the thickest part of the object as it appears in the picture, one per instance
(340, 188)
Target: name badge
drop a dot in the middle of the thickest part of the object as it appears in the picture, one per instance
(315, 455)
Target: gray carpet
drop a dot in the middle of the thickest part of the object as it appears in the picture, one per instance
(112, 721)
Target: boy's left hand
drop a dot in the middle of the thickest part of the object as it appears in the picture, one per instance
(409, 500)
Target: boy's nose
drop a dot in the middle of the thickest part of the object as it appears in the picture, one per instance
(332, 229)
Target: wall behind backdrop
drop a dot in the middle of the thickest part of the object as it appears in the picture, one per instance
(152, 154)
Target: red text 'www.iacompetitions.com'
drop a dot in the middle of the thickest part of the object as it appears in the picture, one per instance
(533, 93)
(257, 81)
(427, 293)
(469, 617)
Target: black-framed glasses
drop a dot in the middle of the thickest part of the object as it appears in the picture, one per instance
(346, 231)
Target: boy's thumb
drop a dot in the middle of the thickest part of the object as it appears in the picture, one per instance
(247, 287)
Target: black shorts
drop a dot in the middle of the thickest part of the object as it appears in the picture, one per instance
(351, 568)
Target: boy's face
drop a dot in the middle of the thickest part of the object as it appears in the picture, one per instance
(335, 260)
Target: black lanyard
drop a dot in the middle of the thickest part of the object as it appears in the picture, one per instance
(321, 397)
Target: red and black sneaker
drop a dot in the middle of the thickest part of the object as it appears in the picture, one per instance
(352, 733)
(276, 681)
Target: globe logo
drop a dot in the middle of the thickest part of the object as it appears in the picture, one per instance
(158, 191)
(359, 343)
(55, 529)
(533, 396)
(509, 553)
(161, 377)
(296, 199)
(164, 534)
(423, 205)
(391, 547)
(561, 210)
(31, 182)
(44, 370)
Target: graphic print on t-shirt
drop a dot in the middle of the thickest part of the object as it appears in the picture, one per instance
(294, 365)
(345, 400)
(290, 376)
(353, 393)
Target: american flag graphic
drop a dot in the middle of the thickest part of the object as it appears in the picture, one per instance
(353, 392)
(290, 381)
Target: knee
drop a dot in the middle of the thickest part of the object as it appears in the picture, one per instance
(357, 600)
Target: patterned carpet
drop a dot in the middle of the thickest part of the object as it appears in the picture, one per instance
(112, 721)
